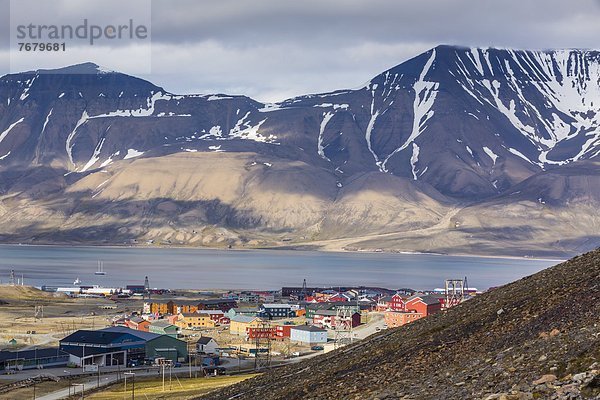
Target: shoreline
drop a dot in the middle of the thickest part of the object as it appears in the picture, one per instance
(289, 249)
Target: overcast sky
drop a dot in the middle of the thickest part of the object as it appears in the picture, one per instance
(275, 49)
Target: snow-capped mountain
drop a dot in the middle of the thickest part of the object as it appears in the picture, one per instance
(462, 124)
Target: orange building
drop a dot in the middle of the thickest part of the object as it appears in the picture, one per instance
(161, 307)
(194, 321)
(138, 323)
(394, 319)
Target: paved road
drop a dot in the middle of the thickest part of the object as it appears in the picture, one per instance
(376, 324)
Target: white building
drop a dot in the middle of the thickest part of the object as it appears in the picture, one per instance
(308, 334)
(206, 345)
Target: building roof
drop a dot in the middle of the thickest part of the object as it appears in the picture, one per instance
(162, 324)
(425, 298)
(245, 309)
(308, 328)
(331, 312)
(31, 354)
(386, 299)
(326, 312)
(204, 340)
(140, 334)
(98, 337)
(192, 315)
(275, 305)
(243, 319)
(319, 306)
(212, 312)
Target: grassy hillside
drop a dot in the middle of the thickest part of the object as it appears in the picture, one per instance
(546, 326)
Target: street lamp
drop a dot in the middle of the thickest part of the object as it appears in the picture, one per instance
(132, 382)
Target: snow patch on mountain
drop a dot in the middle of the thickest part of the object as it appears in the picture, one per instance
(10, 128)
(491, 154)
(69, 143)
(320, 149)
(132, 153)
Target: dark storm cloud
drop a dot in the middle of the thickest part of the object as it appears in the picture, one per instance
(271, 49)
(506, 23)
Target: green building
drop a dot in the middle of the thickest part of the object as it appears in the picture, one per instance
(168, 347)
(163, 328)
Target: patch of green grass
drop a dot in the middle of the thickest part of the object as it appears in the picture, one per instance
(182, 389)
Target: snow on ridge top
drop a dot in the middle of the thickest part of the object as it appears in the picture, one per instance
(104, 70)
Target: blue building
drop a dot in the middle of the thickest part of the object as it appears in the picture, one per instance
(30, 359)
(271, 311)
(121, 346)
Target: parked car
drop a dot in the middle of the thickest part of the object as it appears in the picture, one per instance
(317, 348)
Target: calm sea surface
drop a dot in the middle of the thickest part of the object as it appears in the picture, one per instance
(253, 269)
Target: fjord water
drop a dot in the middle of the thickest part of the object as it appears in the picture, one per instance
(253, 269)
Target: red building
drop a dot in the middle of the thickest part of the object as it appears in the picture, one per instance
(253, 333)
(394, 303)
(138, 323)
(283, 331)
(424, 304)
(397, 303)
(337, 298)
(329, 319)
(217, 316)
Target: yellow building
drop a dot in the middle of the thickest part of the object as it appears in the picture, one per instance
(240, 323)
(194, 320)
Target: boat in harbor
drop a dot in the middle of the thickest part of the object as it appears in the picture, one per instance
(100, 270)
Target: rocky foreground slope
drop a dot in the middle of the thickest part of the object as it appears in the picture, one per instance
(538, 337)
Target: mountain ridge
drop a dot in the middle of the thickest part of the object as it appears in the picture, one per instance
(464, 125)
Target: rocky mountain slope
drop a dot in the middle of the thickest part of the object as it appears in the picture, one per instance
(535, 338)
(435, 143)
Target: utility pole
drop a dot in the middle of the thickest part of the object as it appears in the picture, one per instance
(190, 357)
(343, 326)
(262, 359)
(132, 382)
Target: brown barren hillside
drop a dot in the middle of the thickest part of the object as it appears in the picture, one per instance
(538, 337)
